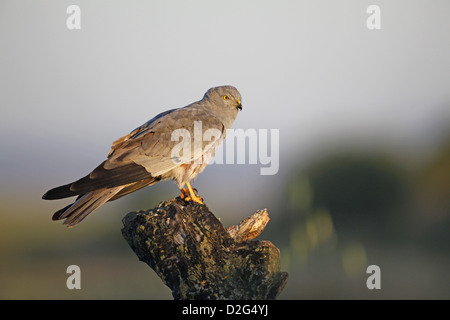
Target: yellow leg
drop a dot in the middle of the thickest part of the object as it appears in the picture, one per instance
(184, 193)
(192, 196)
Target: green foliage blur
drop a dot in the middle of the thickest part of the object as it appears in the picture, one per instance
(348, 210)
(337, 215)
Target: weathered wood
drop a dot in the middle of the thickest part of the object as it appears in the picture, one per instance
(250, 227)
(197, 258)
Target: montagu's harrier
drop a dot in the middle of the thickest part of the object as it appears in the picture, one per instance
(176, 144)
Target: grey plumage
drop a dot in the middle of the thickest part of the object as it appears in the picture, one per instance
(145, 156)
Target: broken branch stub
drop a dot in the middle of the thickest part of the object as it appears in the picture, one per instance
(197, 258)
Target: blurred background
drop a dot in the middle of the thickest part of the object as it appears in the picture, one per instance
(364, 150)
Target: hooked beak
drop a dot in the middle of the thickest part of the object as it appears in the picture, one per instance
(239, 106)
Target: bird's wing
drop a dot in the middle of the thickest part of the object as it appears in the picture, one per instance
(107, 175)
(101, 178)
(136, 133)
(152, 145)
(146, 153)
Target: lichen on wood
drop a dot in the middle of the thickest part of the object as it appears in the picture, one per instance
(197, 258)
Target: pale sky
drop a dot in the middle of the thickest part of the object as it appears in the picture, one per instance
(311, 69)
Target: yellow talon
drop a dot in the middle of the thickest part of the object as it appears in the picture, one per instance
(192, 197)
(184, 193)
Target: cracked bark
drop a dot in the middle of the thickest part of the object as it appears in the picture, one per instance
(198, 258)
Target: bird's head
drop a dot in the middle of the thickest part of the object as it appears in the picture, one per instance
(225, 96)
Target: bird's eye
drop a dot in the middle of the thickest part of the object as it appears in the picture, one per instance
(226, 98)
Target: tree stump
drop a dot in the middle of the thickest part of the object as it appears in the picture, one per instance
(197, 258)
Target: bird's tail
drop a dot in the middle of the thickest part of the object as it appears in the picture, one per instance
(84, 205)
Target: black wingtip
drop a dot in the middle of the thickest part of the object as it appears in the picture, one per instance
(48, 195)
(59, 193)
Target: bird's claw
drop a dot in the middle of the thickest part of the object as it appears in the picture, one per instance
(190, 195)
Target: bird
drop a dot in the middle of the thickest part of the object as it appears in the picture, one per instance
(164, 148)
